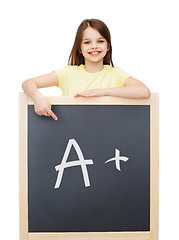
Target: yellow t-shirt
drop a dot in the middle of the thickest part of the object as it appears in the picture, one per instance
(75, 79)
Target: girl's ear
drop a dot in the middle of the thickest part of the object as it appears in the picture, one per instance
(108, 47)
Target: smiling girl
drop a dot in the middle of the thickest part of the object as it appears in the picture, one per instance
(90, 71)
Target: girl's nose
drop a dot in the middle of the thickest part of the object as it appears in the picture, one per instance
(94, 46)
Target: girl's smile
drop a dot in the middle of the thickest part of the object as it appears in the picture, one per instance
(95, 53)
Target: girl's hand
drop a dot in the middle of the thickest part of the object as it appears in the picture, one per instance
(43, 107)
(92, 93)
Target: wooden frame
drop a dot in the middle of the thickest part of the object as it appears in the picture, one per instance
(24, 101)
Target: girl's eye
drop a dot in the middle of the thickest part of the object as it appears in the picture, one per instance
(100, 41)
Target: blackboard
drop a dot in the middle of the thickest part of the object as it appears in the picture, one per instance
(115, 199)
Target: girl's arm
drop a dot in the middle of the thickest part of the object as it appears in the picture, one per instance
(132, 88)
(41, 104)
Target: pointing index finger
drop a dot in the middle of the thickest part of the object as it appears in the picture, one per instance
(53, 115)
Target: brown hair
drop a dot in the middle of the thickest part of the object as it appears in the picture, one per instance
(76, 58)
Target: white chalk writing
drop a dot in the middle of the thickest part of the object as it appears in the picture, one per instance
(117, 159)
(81, 162)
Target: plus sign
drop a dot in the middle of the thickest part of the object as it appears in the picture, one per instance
(117, 159)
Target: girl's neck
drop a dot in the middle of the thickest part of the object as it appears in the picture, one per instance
(93, 67)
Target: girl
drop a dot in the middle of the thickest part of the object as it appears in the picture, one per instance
(90, 71)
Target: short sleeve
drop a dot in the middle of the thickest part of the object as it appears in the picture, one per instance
(62, 77)
(120, 77)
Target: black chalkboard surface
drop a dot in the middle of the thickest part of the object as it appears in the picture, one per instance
(110, 190)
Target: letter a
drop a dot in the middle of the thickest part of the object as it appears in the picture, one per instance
(64, 164)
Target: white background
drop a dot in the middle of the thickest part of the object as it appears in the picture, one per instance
(37, 37)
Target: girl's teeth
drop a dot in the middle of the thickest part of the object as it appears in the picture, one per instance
(94, 52)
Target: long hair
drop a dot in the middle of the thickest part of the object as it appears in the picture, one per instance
(76, 58)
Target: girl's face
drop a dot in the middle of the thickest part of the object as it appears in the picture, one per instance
(93, 47)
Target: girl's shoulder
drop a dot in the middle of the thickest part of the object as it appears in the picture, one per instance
(72, 68)
(118, 70)
(68, 70)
